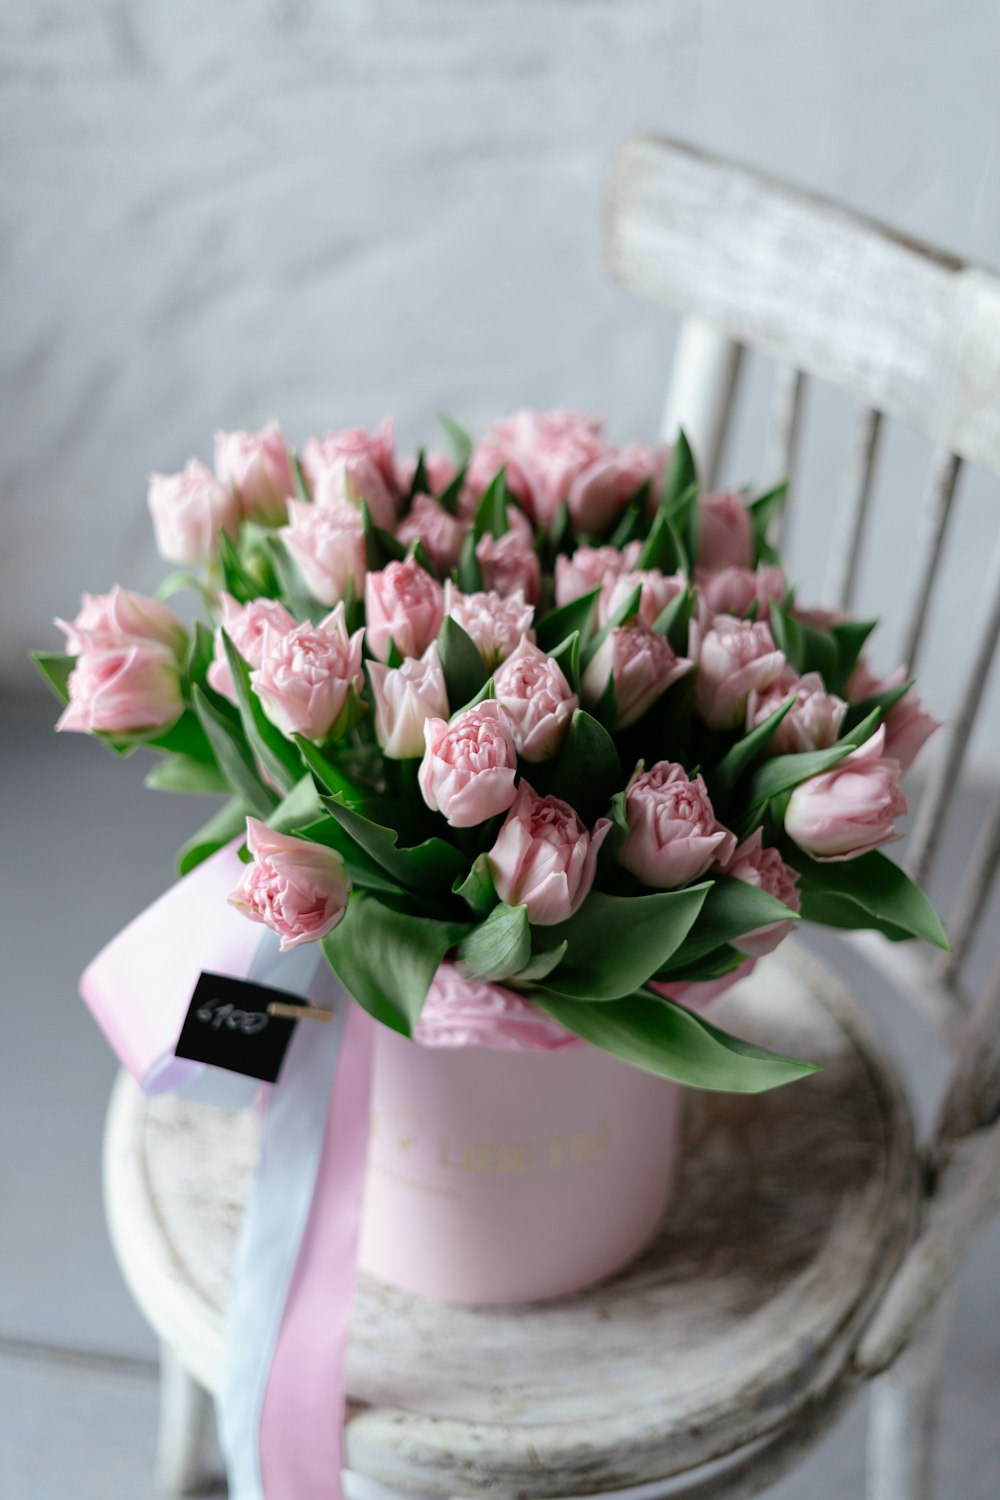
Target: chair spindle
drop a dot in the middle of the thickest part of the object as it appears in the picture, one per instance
(936, 510)
(853, 511)
(783, 436)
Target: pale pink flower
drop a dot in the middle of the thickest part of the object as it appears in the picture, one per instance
(696, 994)
(812, 723)
(295, 887)
(764, 868)
(725, 533)
(598, 496)
(509, 564)
(355, 465)
(537, 700)
(733, 591)
(674, 835)
(658, 590)
(439, 468)
(305, 677)
(544, 858)
(590, 568)
(404, 607)
(642, 665)
(464, 1012)
(189, 510)
(120, 619)
(544, 452)
(245, 625)
(405, 698)
(908, 726)
(851, 809)
(441, 534)
(257, 467)
(495, 625)
(735, 658)
(327, 545)
(467, 773)
(128, 689)
(488, 458)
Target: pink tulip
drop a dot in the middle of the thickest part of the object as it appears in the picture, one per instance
(305, 677)
(658, 590)
(537, 701)
(122, 618)
(493, 624)
(640, 663)
(327, 545)
(355, 465)
(812, 723)
(489, 456)
(544, 859)
(674, 835)
(245, 625)
(544, 452)
(441, 534)
(509, 564)
(257, 467)
(735, 658)
(295, 887)
(127, 689)
(699, 993)
(404, 607)
(592, 567)
(189, 510)
(598, 496)
(405, 698)
(733, 591)
(764, 868)
(725, 534)
(845, 812)
(908, 726)
(467, 773)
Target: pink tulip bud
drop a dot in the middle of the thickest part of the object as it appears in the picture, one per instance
(245, 625)
(544, 859)
(127, 689)
(543, 452)
(812, 723)
(735, 659)
(305, 677)
(327, 545)
(851, 809)
(352, 466)
(189, 510)
(764, 868)
(908, 726)
(537, 701)
(598, 496)
(674, 835)
(467, 773)
(295, 887)
(658, 590)
(440, 534)
(725, 534)
(257, 467)
(405, 698)
(592, 567)
(404, 606)
(122, 618)
(509, 564)
(733, 591)
(640, 663)
(495, 625)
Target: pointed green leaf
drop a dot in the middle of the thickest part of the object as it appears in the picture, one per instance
(296, 597)
(178, 583)
(567, 657)
(468, 574)
(458, 438)
(298, 475)
(587, 772)
(381, 547)
(179, 773)
(764, 511)
(387, 959)
(541, 965)
(617, 942)
(329, 775)
(451, 494)
(849, 638)
(300, 806)
(559, 624)
(55, 667)
(233, 755)
(275, 753)
(625, 611)
(681, 473)
(463, 667)
(663, 548)
(477, 889)
(741, 756)
(491, 513)
(227, 824)
(877, 885)
(827, 909)
(884, 702)
(427, 868)
(633, 523)
(499, 946)
(362, 869)
(732, 908)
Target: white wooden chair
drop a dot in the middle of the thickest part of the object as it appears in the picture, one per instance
(813, 1243)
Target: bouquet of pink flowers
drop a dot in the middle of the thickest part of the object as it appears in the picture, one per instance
(540, 710)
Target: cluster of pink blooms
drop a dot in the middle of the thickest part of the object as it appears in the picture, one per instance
(476, 763)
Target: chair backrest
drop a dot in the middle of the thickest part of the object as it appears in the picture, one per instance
(910, 332)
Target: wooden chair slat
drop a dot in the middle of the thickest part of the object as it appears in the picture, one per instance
(703, 384)
(973, 894)
(784, 432)
(855, 500)
(937, 507)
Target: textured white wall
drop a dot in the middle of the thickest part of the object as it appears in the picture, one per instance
(215, 213)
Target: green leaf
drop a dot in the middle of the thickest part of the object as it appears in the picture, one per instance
(55, 668)
(238, 582)
(500, 946)
(274, 752)
(184, 737)
(234, 756)
(784, 772)
(663, 548)
(876, 885)
(178, 583)
(567, 657)
(628, 607)
(559, 624)
(587, 772)
(179, 773)
(298, 475)
(451, 494)
(458, 438)
(732, 908)
(329, 775)
(827, 909)
(381, 547)
(294, 594)
(468, 574)
(764, 511)
(361, 868)
(884, 702)
(681, 474)
(300, 806)
(420, 484)
(849, 638)
(669, 1040)
(541, 964)
(740, 757)
(463, 667)
(633, 523)
(387, 959)
(617, 942)
(224, 826)
(491, 513)
(477, 889)
(427, 868)
(674, 621)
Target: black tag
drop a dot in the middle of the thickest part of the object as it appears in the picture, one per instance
(227, 1025)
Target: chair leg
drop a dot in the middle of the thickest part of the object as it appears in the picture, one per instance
(902, 1414)
(186, 1415)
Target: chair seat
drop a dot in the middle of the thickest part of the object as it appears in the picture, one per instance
(792, 1211)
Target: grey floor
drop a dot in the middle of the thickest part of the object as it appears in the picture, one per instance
(85, 848)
